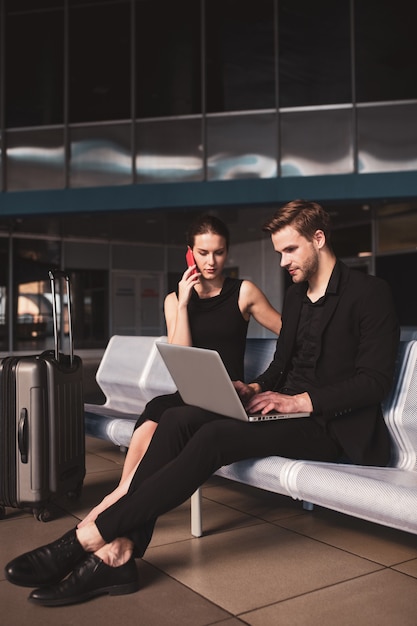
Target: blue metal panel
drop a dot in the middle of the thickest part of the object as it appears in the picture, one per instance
(211, 194)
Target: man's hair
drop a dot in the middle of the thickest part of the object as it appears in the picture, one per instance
(207, 224)
(305, 217)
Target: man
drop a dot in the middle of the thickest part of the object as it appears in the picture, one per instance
(334, 359)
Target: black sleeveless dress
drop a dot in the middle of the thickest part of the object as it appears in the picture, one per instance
(215, 323)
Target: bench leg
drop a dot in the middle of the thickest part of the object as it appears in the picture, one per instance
(196, 514)
(308, 506)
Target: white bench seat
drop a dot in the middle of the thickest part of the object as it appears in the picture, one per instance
(386, 495)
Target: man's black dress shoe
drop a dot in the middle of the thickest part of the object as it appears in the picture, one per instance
(46, 565)
(91, 578)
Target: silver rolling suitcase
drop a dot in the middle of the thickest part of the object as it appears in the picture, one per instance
(42, 441)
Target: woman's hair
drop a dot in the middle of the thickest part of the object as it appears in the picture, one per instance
(207, 224)
(305, 217)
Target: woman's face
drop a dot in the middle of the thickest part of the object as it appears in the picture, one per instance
(210, 254)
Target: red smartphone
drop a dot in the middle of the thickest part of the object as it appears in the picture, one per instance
(189, 257)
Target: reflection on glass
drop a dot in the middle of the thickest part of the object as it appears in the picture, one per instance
(316, 142)
(35, 159)
(33, 259)
(387, 138)
(100, 156)
(242, 146)
(169, 150)
(34, 312)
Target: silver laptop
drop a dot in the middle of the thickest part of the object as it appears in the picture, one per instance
(203, 381)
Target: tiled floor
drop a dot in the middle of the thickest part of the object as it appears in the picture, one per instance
(263, 561)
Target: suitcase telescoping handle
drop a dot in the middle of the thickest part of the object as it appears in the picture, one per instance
(54, 275)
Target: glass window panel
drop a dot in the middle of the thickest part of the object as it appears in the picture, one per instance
(314, 52)
(398, 233)
(394, 208)
(90, 307)
(385, 50)
(35, 159)
(131, 257)
(240, 55)
(34, 63)
(77, 3)
(353, 241)
(23, 5)
(2, 106)
(33, 259)
(387, 138)
(101, 156)
(169, 150)
(242, 146)
(316, 142)
(48, 225)
(99, 62)
(168, 58)
(86, 255)
(1, 161)
(400, 272)
(137, 303)
(4, 281)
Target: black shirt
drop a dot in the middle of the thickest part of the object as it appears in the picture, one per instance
(301, 376)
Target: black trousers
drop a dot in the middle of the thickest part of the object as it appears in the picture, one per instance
(189, 445)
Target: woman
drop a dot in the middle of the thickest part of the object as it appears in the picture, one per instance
(209, 310)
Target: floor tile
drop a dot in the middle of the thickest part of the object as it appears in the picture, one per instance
(21, 533)
(160, 601)
(262, 561)
(371, 541)
(96, 486)
(257, 502)
(409, 567)
(99, 463)
(106, 450)
(384, 598)
(176, 525)
(242, 569)
(233, 621)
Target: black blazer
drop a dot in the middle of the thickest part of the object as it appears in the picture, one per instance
(354, 363)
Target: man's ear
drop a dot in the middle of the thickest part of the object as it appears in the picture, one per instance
(320, 238)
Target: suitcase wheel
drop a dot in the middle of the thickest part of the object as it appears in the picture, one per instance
(75, 493)
(42, 515)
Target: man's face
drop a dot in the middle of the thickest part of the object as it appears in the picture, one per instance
(299, 256)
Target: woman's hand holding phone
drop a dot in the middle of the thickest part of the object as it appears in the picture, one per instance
(188, 280)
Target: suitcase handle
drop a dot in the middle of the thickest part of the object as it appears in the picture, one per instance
(53, 275)
(22, 436)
